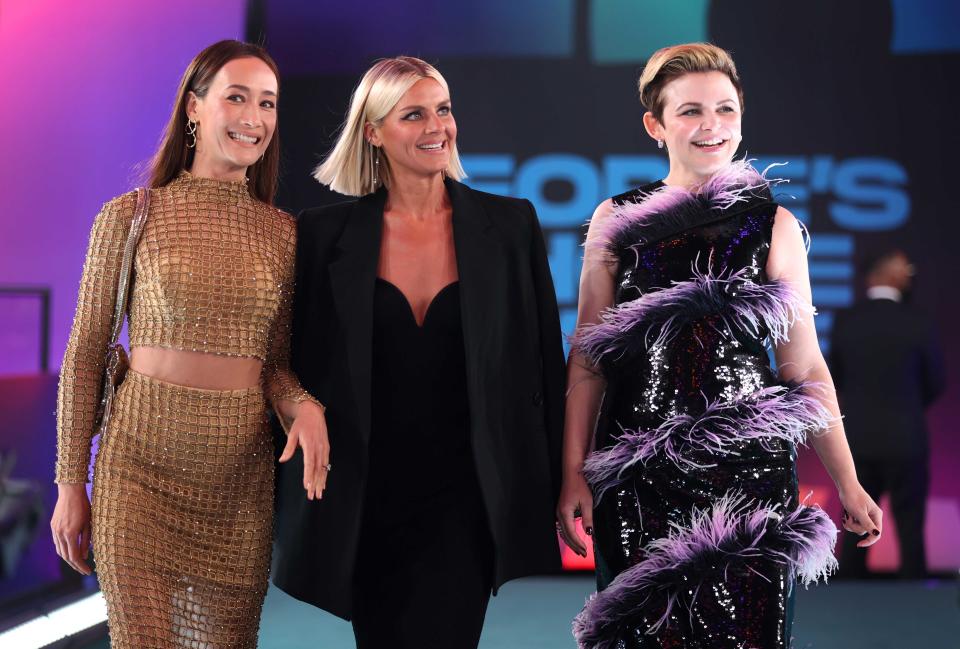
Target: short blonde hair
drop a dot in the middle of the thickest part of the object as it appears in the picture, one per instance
(675, 61)
(349, 167)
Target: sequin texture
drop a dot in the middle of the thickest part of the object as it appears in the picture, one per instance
(700, 534)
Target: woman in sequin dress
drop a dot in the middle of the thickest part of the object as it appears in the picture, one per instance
(689, 485)
(183, 483)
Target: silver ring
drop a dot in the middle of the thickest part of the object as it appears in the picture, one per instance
(328, 467)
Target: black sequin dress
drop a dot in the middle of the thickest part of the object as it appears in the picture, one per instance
(699, 532)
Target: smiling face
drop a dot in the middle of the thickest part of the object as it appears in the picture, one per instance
(419, 133)
(236, 118)
(700, 124)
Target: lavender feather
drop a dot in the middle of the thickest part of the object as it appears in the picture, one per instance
(779, 412)
(628, 330)
(737, 183)
(724, 537)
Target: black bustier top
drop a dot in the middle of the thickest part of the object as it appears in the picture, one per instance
(420, 440)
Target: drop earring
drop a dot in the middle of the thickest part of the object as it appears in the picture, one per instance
(191, 133)
(659, 144)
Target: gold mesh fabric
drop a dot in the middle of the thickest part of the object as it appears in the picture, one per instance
(213, 272)
(182, 515)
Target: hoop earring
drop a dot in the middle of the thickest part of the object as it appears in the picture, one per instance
(659, 144)
(192, 133)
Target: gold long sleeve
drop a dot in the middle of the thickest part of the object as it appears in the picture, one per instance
(280, 383)
(213, 273)
(81, 372)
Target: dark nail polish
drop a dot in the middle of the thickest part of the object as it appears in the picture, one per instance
(589, 531)
(876, 532)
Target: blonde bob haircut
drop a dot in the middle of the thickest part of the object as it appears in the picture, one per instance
(675, 61)
(349, 168)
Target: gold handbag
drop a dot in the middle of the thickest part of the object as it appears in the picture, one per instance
(117, 362)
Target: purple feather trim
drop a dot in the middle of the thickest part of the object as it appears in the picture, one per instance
(782, 412)
(736, 183)
(722, 538)
(627, 330)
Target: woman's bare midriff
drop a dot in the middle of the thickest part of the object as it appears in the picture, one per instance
(197, 369)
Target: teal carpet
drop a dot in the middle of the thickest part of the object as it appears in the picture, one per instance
(535, 614)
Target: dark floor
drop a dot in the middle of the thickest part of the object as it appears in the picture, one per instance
(535, 614)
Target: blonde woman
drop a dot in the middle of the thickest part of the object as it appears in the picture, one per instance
(425, 319)
(183, 484)
(691, 492)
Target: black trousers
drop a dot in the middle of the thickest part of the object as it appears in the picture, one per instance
(424, 579)
(906, 480)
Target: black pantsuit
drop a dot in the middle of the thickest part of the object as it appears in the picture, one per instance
(413, 536)
(425, 583)
(425, 548)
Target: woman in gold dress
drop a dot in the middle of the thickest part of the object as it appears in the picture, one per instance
(183, 482)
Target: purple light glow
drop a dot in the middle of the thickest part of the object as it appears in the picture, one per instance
(87, 89)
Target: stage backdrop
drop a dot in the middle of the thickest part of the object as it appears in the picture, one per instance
(855, 97)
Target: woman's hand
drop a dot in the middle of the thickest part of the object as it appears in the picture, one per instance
(70, 525)
(861, 515)
(309, 431)
(576, 499)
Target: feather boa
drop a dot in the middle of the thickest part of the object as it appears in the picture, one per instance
(785, 412)
(724, 537)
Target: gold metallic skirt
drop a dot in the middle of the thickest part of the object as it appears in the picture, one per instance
(182, 515)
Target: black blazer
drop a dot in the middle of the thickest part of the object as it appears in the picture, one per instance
(515, 378)
(887, 367)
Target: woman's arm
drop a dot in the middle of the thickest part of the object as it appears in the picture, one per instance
(81, 378)
(302, 415)
(81, 373)
(585, 388)
(799, 359)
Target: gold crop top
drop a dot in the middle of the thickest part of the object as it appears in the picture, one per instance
(213, 272)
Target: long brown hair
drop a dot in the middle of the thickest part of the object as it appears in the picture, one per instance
(173, 155)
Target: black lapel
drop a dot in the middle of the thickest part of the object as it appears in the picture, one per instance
(479, 253)
(353, 276)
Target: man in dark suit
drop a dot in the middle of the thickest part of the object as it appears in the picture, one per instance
(887, 367)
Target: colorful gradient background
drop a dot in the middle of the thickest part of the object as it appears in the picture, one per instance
(88, 86)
